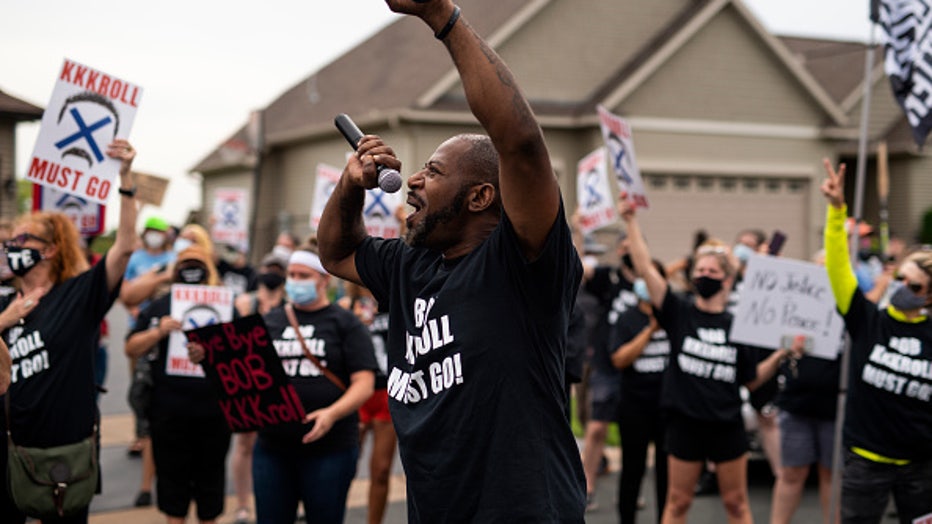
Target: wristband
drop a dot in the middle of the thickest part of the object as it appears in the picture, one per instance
(131, 192)
(440, 35)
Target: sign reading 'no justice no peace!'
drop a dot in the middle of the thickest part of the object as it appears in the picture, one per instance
(88, 110)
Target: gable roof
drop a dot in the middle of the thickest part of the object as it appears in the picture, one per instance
(17, 109)
(401, 72)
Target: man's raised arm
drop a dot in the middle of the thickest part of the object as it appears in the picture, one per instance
(529, 190)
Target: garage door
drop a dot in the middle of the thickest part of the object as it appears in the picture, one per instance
(723, 206)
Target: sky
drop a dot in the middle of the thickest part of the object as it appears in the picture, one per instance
(205, 65)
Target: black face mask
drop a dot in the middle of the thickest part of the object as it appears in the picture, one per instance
(706, 287)
(22, 259)
(271, 281)
(191, 275)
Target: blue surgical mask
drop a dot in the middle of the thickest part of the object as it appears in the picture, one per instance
(743, 252)
(181, 244)
(640, 289)
(301, 292)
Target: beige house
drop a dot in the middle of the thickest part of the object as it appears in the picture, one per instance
(730, 122)
(12, 111)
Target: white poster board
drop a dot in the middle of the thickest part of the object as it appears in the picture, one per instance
(229, 218)
(620, 143)
(88, 217)
(596, 207)
(195, 307)
(378, 210)
(88, 110)
(781, 297)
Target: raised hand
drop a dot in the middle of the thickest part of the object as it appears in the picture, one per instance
(833, 187)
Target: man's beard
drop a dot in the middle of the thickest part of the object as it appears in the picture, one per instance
(417, 235)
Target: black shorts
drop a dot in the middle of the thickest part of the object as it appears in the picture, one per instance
(696, 440)
(604, 396)
(190, 461)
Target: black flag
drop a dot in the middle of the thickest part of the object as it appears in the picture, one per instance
(908, 58)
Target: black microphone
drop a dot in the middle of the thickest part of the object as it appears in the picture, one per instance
(389, 179)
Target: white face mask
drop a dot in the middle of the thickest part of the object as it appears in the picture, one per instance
(153, 239)
(181, 244)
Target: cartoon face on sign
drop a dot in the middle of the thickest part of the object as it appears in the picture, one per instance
(199, 316)
(87, 122)
(621, 162)
(229, 211)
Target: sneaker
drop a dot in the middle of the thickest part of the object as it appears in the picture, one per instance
(143, 500)
(591, 504)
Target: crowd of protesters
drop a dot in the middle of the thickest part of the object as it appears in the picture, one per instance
(489, 243)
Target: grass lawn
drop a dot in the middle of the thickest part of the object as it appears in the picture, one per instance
(612, 439)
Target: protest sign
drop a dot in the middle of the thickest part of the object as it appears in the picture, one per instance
(195, 307)
(378, 210)
(150, 188)
(87, 216)
(596, 207)
(781, 297)
(617, 135)
(88, 110)
(241, 362)
(229, 218)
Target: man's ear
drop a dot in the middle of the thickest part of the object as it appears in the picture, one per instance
(481, 197)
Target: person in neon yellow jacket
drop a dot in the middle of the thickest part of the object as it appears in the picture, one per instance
(888, 417)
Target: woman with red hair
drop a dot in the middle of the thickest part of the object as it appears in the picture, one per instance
(51, 324)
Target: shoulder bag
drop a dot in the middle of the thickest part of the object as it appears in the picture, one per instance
(48, 482)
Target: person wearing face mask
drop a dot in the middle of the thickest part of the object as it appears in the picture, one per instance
(314, 462)
(269, 294)
(700, 393)
(155, 253)
(190, 436)
(641, 350)
(52, 327)
(888, 414)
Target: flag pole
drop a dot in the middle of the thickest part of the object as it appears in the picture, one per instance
(837, 457)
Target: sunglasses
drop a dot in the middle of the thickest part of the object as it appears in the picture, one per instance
(21, 239)
(915, 287)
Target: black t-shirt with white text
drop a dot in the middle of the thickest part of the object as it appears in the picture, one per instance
(476, 355)
(615, 295)
(52, 394)
(641, 381)
(344, 346)
(174, 395)
(705, 370)
(889, 405)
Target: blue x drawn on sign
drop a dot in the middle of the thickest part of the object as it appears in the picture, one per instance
(377, 201)
(620, 168)
(229, 212)
(85, 132)
(593, 197)
(209, 322)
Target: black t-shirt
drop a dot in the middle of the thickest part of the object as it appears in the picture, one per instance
(173, 396)
(813, 390)
(476, 355)
(343, 344)
(641, 381)
(240, 279)
(379, 331)
(706, 370)
(52, 394)
(615, 295)
(889, 406)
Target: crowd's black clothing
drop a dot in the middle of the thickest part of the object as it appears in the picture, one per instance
(641, 382)
(241, 279)
(615, 295)
(343, 344)
(476, 376)
(52, 395)
(889, 407)
(705, 369)
(811, 391)
(171, 394)
(379, 331)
